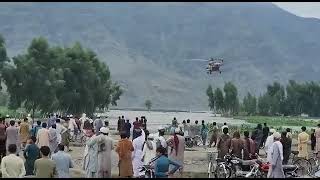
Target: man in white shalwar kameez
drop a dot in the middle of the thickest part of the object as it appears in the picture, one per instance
(269, 142)
(149, 149)
(137, 153)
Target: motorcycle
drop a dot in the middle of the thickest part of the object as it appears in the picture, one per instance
(232, 166)
(260, 170)
(146, 171)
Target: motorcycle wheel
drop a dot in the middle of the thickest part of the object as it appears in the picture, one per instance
(223, 172)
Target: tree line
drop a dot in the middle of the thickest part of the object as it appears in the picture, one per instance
(290, 100)
(54, 78)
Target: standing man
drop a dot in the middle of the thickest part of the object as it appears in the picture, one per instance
(317, 135)
(51, 120)
(204, 132)
(303, 139)
(257, 136)
(3, 137)
(90, 161)
(127, 128)
(275, 169)
(136, 128)
(119, 124)
(269, 141)
(43, 136)
(12, 166)
(53, 139)
(24, 132)
(13, 136)
(45, 167)
(122, 122)
(177, 148)
(137, 155)
(265, 131)
(215, 134)
(73, 126)
(160, 140)
(286, 144)
(36, 128)
(60, 129)
(98, 124)
(224, 126)
(124, 150)
(31, 154)
(105, 147)
(63, 162)
(224, 144)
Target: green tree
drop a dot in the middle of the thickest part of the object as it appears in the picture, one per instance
(231, 101)
(3, 57)
(250, 104)
(219, 100)
(211, 97)
(148, 104)
(264, 104)
(70, 79)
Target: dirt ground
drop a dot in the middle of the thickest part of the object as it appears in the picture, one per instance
(195, 162)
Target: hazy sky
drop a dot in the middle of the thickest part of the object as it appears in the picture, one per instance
(304, 9)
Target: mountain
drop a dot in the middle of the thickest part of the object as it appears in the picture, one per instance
(145, 44)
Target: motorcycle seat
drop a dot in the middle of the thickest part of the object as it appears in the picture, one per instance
(246, 162)
(289, 167)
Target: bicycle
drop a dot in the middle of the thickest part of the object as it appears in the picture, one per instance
(211, 167)
(314, 161)
(304, 165)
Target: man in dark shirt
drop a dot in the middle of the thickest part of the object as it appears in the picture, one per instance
(127, 127)
(265, 133)
(2, 138)
(136, 126)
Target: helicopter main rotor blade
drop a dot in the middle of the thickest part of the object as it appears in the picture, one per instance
(197, 60)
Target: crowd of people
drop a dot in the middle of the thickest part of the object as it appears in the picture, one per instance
(45, 144)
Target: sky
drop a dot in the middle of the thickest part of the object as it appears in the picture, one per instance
(304, 9)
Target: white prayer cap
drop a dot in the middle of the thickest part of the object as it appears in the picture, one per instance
(104, 130)
(98, 115)
(177, 130)
(272, 131)
(70, 115)
(7, 115)
(29, 115)
(276, 135)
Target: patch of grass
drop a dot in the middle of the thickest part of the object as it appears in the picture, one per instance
(279, 121)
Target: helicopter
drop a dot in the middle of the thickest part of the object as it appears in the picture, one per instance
(213, 64)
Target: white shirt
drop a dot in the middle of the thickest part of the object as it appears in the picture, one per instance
(162, 141)
(72, 124)
(268, 146)
(224, 126)
(12, 166)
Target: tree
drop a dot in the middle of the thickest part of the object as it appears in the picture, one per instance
(211, 97)
(231, 101)
(264, 104)
(3, 57)
(148, 104)
(70, 79)
(219, 100)
(250, 104)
